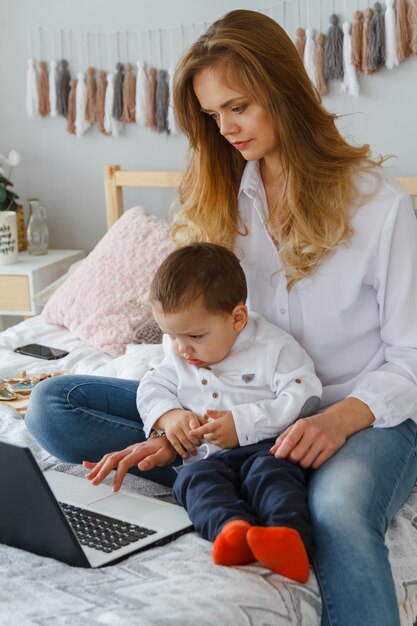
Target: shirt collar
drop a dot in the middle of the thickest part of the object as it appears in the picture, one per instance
(250, 179)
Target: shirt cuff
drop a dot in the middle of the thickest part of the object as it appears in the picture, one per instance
(244, 424)
(383, 418)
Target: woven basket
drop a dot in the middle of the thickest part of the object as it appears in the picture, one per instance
(21, 229)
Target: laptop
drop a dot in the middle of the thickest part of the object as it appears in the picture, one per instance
(67, 518)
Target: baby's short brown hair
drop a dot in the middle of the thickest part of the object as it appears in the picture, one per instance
(199, 270)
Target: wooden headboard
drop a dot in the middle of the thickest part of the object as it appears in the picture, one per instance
(115, 179)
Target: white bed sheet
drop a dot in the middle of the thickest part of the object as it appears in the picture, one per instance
(82, 358)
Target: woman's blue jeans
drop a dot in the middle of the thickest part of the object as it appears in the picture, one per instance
(353, 496)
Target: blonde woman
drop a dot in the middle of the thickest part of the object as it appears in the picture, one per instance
(329, 249)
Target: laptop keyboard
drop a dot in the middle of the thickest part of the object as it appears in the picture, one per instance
(101, 532)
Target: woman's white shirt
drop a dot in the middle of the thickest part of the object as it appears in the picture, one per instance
(356, 315)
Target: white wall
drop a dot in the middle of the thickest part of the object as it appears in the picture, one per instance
(66, 173)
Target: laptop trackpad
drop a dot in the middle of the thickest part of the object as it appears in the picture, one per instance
(127, 507)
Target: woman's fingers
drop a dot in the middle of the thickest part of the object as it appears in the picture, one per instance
(309, 441)
(287, 441)
(162, 456)
(145, 455)
(110, 463)
(95, 468)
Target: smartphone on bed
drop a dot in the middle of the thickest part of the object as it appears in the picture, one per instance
(42, 352)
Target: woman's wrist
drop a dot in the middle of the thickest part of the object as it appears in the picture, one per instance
(352, 414)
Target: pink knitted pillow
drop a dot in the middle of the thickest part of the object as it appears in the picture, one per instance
(94, 303)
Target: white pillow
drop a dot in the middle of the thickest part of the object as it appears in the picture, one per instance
(133, 364)
(95, 302)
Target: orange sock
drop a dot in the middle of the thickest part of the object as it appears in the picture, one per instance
(230, 546)
(281, 549)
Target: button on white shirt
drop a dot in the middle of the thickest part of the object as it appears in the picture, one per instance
(356, 315)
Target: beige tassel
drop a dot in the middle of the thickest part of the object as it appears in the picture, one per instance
(412, 24)
(151, 121)
(100, 101)
(71, 107)
(300, 41)
(90, 107)
(357, 36)
(403, 39)
(365, 42)
(129, 95)
(321, 84)
(43, 90)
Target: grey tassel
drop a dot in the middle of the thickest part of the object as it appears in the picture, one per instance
(63, 88)
(162, 101)
(376, 44)
(118, 92)
(333, 50)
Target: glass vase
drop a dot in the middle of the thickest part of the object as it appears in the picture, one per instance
(37, 232)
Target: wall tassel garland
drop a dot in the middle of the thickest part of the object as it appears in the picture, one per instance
(385, 35)
(129, 92)
(376, 44)
(172, 122)
(310, 56)
(151, 120)
(300, 38)
(63, 87)
(365, 41)
(71, 107)
(32, 100)
(162, 101)
(333, 50)
(141, 95)
(52, 87)
(391, 60)
(81, 123)
(357, 35)
(43, 90)
(350, 82)
(403, 39)
(412, 20)
(118, 92)
(321, 84)
(111, 126)
(100, 101)
(90, 107)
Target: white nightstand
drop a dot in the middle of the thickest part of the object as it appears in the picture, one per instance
(20, 281)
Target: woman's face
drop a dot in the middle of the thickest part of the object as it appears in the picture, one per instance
(241, 120)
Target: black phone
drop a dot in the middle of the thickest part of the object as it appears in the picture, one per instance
(42, 352)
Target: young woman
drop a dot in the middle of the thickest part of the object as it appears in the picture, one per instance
(329, 249)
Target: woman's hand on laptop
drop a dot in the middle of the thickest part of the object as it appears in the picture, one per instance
(155, 452)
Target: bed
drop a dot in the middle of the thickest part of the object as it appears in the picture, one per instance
(176, 583)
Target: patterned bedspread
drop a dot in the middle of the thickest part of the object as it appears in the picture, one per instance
(176, 584)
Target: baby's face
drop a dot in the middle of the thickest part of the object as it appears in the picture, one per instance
(200, 337)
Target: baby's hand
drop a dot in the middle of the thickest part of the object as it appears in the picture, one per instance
(220, 429)
(177, 425)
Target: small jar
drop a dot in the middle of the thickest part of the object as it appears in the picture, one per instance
(37, 232)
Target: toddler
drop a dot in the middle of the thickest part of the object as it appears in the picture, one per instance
(229, 382)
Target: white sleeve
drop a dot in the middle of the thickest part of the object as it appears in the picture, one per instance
(157, 391)
(391, 390)
(297, 393)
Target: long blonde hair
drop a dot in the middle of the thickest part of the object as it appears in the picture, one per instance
(311, 218)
